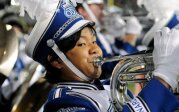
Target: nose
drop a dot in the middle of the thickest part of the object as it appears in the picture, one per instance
(95, 49)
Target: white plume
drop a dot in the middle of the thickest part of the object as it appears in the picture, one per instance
(38, 8)
(35, 8)
(159, 8)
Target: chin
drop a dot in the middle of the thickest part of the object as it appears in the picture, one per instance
(98, 73)
(95, 74)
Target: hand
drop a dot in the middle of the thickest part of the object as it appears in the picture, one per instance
(115, 25)
(165, 55)
(133, 26)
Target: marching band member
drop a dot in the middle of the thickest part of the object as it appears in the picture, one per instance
(65, 44)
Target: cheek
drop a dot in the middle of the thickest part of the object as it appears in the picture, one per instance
(78, 58)
(95, 11)
(90, 70)
(81, 61)
(99, 11)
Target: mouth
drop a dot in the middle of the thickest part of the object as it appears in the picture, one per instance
(96, 60)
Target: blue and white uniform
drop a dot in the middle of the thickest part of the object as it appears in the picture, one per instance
(153, 98)
(84, 97)
(78, 97)
(174, 21)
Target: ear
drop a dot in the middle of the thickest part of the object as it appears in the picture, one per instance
(56, 63)
(82, 12)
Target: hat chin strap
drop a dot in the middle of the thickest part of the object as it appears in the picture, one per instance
(69, 64)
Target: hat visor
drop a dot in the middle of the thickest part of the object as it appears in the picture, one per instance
(77, 27)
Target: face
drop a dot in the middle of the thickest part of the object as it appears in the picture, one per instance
(84, 52)
(97, 10)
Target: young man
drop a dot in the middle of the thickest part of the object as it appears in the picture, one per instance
(65, 44)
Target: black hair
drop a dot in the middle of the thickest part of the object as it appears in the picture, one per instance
(64, 45)
(53, 74)
(79, 5)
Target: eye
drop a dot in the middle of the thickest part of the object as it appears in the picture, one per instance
(94, 42)
(81, 44)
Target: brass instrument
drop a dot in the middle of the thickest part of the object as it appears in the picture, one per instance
(131, 69)
(8, 51)
(29, 98)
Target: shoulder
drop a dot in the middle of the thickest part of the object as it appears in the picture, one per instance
(67, 99)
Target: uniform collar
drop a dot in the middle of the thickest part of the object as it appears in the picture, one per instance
(97, 85)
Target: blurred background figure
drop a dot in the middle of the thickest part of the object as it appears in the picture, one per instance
(20, 71)
(9, 54)
(163, 13)
(123, 31)
(153, 15)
